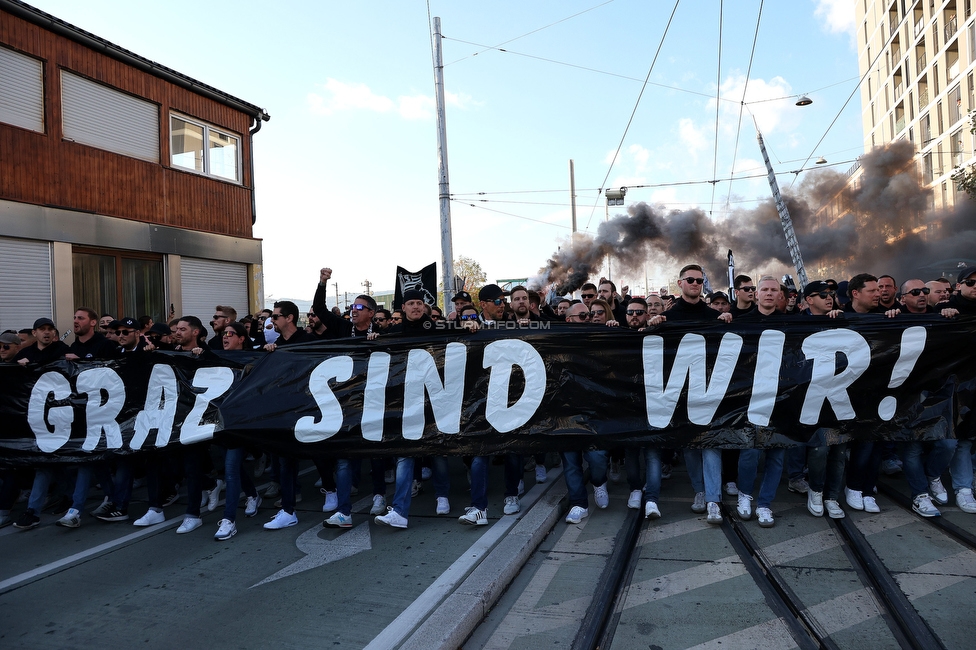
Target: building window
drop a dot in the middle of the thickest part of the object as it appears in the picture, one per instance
(120, 283)
(199, 147)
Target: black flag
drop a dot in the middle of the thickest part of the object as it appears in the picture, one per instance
(424, 280)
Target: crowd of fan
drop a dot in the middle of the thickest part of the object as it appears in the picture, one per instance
(828, 469)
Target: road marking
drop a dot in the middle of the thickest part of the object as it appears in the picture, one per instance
(415, 613)
(769, 635)
(320, 551)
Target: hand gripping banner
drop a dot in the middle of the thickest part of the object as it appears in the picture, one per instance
(456, 392)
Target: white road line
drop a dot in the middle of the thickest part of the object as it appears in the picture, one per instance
(769, 635)
(415, 613)
(844, 611)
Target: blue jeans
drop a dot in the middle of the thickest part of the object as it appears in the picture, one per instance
(705, 471)
(796, 460)
(772, 473)
(632, 468)
(917, 471)
(573, 473)
(961, 465)
(344, 472)
(289, 483)
(440, 476)
(193, 461)
(237, 480)
(514, 468)
(479, 482)
(826, 464)
(403, 490)
(652, 463)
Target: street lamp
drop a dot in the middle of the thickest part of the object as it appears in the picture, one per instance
(804, 101)
(614, 197)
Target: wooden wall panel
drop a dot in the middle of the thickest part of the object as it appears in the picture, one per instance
(46, 170)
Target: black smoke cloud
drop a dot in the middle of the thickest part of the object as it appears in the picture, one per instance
(880, 225)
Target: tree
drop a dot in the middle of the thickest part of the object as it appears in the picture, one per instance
(470, 273)
(965, 177)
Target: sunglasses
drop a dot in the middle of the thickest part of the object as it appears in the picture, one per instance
(228, 335)
(124, 332)
(694, 280)
(218, 316)
(918, 292)
(470, 317)
(396, 319)
(583, 316)
(597, 312)
(498, 301)
(970, 282)
(636, 312)
(380, 319)
(358, 307)
(747, 289)
(6, 346)
(587, 295)
(823, 294)
(276, 316)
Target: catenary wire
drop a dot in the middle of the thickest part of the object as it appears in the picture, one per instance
(745, 88)
(718, 95)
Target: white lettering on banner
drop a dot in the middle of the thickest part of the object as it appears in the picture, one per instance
(822, 349)
(765, 382)
(704, 396)
(307, 429)
(216, 381)
(912, 345)
(100, 416)
(445, 398)
(162, 396)
(374, 396)
(501, 357)
(59, 418)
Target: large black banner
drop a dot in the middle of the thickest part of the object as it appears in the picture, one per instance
(457, 392)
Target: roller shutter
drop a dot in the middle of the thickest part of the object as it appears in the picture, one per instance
(207, 284)
(25, 266)
(21, 90)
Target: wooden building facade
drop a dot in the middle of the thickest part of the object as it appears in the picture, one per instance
(125, 186)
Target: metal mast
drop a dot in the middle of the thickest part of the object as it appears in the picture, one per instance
(443, 187)
(784, 216)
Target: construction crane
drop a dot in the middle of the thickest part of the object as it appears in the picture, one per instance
(784, 216)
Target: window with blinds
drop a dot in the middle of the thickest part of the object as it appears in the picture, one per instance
(21, 90)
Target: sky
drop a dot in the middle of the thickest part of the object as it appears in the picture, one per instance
(346, 169)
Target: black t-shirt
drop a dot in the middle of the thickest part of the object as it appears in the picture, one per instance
(736, 312)
(964, 305)
(53, 352)
(97, 347)
(683, 311)
(300, 336)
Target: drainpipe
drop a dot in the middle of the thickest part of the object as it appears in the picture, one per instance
(257, 127)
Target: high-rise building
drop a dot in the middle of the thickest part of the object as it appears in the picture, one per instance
(917, 60)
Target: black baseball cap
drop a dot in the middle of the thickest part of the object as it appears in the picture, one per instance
(413, 294)
(965, 273)
(41, 322)
(129, 322)
(491, 292)
(461, 295)
(815, 286)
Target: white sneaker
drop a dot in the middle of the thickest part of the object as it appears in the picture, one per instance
(634, 500)
(576, 515)
(651, 510)
(214, 496)
(151, 518)
(765, 517)
(225, 530)
(251, 506)
(870, 505)
(281, 520)
(443, 506)
(426, 473)
(189, 524)
(379, 505)
(938, 491)
(714, 513)
(732, 489)
(744, 508)
(72, 519)
(965, 500)
(338, 520)
(698, 506)
(834, 510)
(922, 504)
(512, 505)
(331, 500)
(815, 503)
(392, 518)
(474, 517)
(601, 496)
(540, 474)
(854, 499)
(416, 488)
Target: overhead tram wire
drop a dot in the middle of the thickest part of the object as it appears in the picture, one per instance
(636, 104)
(488, 48)
(510, 214)
(718, 94)
(867, 71)
(742, 104)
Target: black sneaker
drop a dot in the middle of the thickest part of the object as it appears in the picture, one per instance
(114, 515)
(169, 498)
(28, 520)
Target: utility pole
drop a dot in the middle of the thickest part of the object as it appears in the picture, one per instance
(443, 186)
(572, 192)
(368, 284)
(336, 285)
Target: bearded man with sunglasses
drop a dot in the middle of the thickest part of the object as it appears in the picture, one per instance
(964, 299)
(360, 323)
(492, 299)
